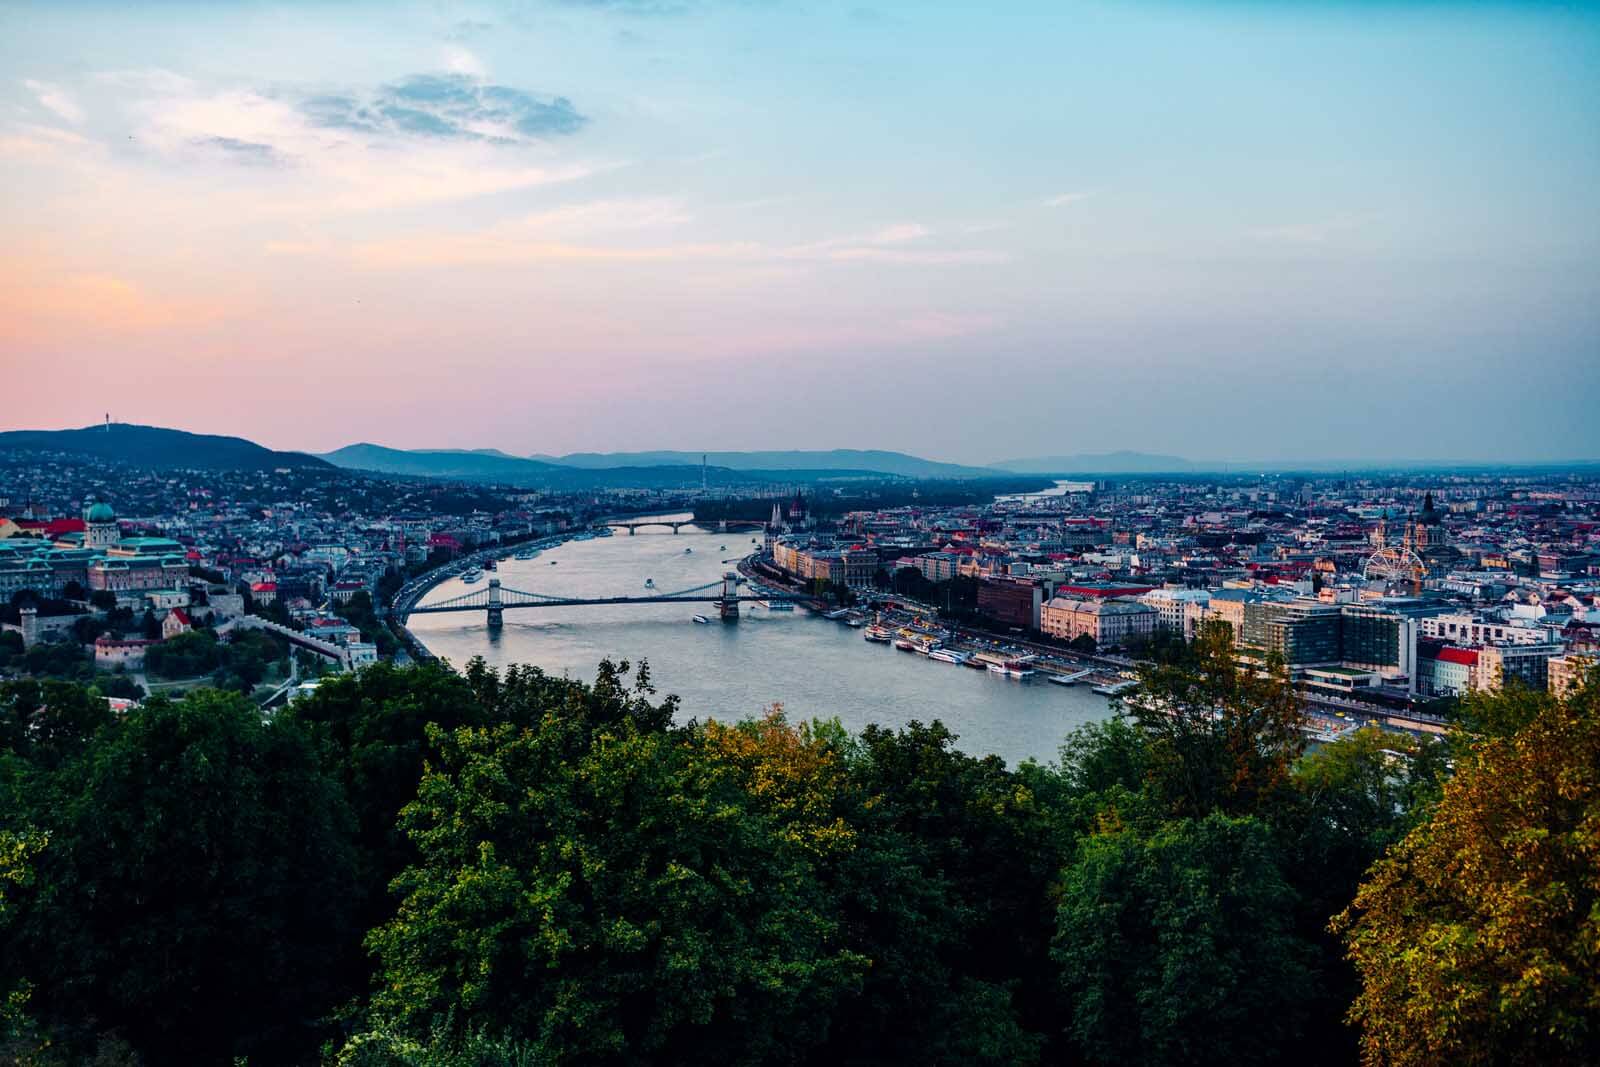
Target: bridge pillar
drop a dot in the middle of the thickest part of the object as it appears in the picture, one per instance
(674, 528)
(496, 616)
(722, 527)
(728, 606)
(632, 530)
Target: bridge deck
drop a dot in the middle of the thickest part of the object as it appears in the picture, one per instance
(589, 601)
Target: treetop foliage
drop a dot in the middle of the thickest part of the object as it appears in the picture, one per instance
(424, 868)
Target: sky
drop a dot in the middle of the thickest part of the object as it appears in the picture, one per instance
(1217, 229)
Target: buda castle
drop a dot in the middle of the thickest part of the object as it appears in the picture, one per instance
(47, 558)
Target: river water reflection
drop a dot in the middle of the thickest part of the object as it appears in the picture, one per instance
(814, 667)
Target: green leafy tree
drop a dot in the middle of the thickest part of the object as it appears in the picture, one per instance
(948, 889)
(1176, 946)
(48, 723)
(1222, 737)
(185, 655)
(1098, 756)
(371, 727)
(585, 885)
(17, 852)
(1477, 937)
(12, 650)
(194, 889)
(1351, 800)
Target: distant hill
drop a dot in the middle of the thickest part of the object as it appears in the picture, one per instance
(474, 466)
(838, 459)
(155, 446)
(638, 469)
(1122, 462)
(488, 466)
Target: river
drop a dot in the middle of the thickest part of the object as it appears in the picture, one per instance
(812, 666)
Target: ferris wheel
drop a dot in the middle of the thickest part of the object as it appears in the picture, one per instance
(1395, 566)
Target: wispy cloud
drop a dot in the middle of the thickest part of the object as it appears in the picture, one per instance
(250, 152)
(577, 232)
(41, 143)
(1063, 199)
(423, 139)
(56, 100)
(887, 244)
(456, 105)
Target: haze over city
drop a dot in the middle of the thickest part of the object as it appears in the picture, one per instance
(1222, 231)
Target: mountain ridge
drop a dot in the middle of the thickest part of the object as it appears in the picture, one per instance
(160, 447)
(872, 461)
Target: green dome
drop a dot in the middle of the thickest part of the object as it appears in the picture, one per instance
(100, 512)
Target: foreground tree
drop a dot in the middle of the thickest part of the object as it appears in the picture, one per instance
(1477, 938)
(1176, 946)
(586, 886)
(193, 891)
(1222, 737)
(17, 851)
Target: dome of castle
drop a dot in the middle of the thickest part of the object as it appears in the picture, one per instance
(100, 512)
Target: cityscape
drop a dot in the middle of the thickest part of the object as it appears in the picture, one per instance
(1385, 595)
(652, 533)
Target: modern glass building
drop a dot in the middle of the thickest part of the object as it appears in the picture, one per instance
(1301, 631)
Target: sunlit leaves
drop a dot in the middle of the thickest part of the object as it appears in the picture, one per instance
(1478, 936)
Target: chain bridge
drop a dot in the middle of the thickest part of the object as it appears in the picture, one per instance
(497, 599)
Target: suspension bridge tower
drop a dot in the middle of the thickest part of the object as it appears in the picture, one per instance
(496, 616)
(728, 606)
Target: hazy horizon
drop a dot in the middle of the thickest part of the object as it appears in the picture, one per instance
(1359, 230)
(1193, 464)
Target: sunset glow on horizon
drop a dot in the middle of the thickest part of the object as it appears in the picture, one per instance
(572, 226)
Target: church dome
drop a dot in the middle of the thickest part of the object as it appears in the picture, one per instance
(100, 512)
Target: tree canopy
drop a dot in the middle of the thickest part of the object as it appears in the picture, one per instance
(419, 867)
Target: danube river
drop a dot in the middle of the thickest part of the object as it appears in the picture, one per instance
(814, 667)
